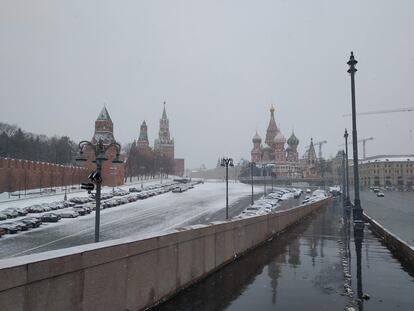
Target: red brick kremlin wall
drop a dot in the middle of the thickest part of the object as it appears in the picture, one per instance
(18, 174)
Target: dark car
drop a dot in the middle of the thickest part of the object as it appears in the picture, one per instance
(32, 222)
(81, 210)
(68, 204)
(50, 217)
(10, 228)
(22, 225)
(2, 232)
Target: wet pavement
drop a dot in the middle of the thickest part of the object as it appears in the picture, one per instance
(316, 265)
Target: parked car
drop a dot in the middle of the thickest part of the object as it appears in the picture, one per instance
(19, 211)
(68, 203)
(37, 208)
(380, 194)
(32, 222)
(81, 211)
(3, 216)
(10, 228)
(69, 214)
(10, 213)
(2, 232)
(50, 217)
(133, 189)
(23, 226)
(46, 207)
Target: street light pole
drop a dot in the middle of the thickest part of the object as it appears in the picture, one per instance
(226, 162)
(264, 179)
(99, 150)
(347, 201)
(252, 165)
(343, 190)
(357, 212)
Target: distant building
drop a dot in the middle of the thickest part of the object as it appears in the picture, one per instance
(164, 145)
(161, 158)
(142, 142)
(385, 171)
(104, 130)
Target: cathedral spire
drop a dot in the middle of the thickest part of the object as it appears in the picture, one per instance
(164, 113)
(272, 129)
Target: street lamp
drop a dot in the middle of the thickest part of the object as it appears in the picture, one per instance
(100, 156)
(226, 162)
(343, 189)
(252, 165)
(142, 168)
(357, 211)
(347, 201)
(264, 178)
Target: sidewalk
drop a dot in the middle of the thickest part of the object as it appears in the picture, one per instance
(316, 265)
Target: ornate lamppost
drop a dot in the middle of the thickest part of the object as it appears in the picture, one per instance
(226, 162)
(357, 211)
(142, 169)
(99, 150)
(264, 178)
(252, 165)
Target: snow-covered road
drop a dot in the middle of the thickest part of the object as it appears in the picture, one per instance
(204, 203)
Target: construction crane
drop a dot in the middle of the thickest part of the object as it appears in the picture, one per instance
(319, 144)
(407, 109)
(363, 141)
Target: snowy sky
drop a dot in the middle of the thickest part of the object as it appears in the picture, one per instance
(219, 64)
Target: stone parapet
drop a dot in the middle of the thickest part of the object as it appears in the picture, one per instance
(130, 274)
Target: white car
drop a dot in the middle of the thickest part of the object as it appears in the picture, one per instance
(380, 194)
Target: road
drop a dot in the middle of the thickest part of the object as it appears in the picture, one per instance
(203, 204)
(395, 211)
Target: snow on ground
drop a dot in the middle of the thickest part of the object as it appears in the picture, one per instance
(153, 215)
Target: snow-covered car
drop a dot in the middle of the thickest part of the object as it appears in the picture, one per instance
(50, 217)
(380, 194)
(37, 208)
(3, 216)
(23, 226)
(69, 214)
(46, 207)
(10, 228)
(31, 222)
(10, 213)
(308, 191)
(81, 211)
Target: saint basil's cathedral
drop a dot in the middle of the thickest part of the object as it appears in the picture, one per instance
(284, 160)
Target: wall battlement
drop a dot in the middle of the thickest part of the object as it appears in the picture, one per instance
(16, 174)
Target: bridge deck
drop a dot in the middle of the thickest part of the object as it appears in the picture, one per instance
(305, 269)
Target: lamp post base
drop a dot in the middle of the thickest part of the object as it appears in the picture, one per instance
(357, 212)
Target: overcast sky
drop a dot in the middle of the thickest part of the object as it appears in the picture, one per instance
(219, 64)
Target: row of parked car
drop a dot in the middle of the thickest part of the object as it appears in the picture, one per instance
(271, 202)
(72, 208)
